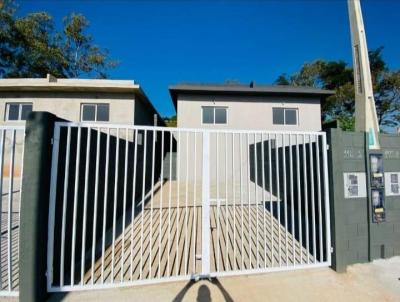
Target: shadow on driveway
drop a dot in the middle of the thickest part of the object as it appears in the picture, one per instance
(203, 293)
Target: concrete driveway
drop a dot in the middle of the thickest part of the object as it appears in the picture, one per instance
(377, 281)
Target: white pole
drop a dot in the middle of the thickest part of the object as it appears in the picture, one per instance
(365, 111)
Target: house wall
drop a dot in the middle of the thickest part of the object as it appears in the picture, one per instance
(68, 105)
(143, 114)
(250, 112)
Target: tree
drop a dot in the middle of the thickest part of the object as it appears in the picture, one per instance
(338, 76)
(31, 47)
(170, 121)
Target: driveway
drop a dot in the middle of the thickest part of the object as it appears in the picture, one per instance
(377, 281)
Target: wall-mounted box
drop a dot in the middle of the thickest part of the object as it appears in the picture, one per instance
(376, 161)
(355, 185)
(378, 205)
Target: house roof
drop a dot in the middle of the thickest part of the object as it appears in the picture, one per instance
(53, 84)
(242, 89)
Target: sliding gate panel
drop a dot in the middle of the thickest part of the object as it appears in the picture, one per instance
(12, 143)
(269, 201)
(125, 206)
(134, 205)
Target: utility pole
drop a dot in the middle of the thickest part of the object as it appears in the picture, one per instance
(365, 111)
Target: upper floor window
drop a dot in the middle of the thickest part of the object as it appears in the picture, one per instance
(95, 112)
(214, 115)
(18, 111)
(285, 116)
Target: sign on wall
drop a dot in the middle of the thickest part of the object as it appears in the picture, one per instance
(392, 183)
(355, 185)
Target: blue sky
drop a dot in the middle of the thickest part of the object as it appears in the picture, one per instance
(160, 43)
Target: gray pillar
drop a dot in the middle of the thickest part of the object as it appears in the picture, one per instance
(34, 207)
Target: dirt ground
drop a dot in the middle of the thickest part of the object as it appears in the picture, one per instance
(377, 281)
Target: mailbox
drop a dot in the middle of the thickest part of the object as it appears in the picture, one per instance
(377, 188)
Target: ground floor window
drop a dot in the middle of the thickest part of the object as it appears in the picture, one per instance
(17, 111)
(95, 112)
(214, 115)
(285, 116)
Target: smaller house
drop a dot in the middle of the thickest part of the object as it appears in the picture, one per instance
(249, 107)
(75, 100)
(87, 100)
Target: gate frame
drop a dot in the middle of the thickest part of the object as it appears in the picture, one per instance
(206, 265)
(10, 292)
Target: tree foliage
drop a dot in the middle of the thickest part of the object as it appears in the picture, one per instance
(338, 76)
(171, 121)
(30, 46)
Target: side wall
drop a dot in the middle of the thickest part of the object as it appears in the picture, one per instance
(355, 238)
(144, 115)
(385, 237)
(250, 112)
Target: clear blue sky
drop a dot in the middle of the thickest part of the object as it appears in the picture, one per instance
(160, 43)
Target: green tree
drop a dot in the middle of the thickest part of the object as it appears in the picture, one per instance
(338, 76)
(31, 47)
(170, 121)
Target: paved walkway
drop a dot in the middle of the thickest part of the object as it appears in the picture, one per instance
(164, 248)
(377, 281)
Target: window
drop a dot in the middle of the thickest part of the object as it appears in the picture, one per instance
(95, 112)
(284, 116)
(214, 115)
(18, 111)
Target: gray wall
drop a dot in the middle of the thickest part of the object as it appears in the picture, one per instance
(355, 238)
(385, 237)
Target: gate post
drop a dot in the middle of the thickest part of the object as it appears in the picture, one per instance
(205, 244)
(34, 207)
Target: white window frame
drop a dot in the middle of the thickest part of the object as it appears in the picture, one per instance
(284, 116)
(95, 112)
(20, 104)
(214, 107)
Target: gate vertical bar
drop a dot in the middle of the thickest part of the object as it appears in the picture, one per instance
(52, 205)
(205, 257)
(326, 191)
(64, 205)
(2, 143)
(85, 205)
(75, 209)
(10, 206)
(96, 194)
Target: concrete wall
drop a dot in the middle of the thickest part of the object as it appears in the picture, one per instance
(250, 112)
(385, 237)
(68, 105)
(355, 238)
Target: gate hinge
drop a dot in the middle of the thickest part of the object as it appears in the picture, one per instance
(331, 249)
(327, 147)
(52, 141)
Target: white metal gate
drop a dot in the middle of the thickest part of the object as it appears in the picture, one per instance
(12, 139)
(134, 204)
